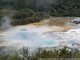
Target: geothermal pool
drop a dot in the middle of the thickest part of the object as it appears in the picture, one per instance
(29, 36)
(40, 36)
(32, 36)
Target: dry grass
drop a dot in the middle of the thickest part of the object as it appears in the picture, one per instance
(67, 27)
(59, 21)
(38, 23)
(56, 23)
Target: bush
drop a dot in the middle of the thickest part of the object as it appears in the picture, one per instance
(23, 54)
(25, 16)
(23, 13)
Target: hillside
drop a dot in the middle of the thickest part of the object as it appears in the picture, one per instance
(49, 7)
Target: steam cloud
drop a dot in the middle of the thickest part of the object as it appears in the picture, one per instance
(6, 23)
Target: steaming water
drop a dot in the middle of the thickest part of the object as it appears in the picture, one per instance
(33, 36)
(30, 36)
(6, 23)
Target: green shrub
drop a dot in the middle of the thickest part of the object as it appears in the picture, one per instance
(23, 54)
